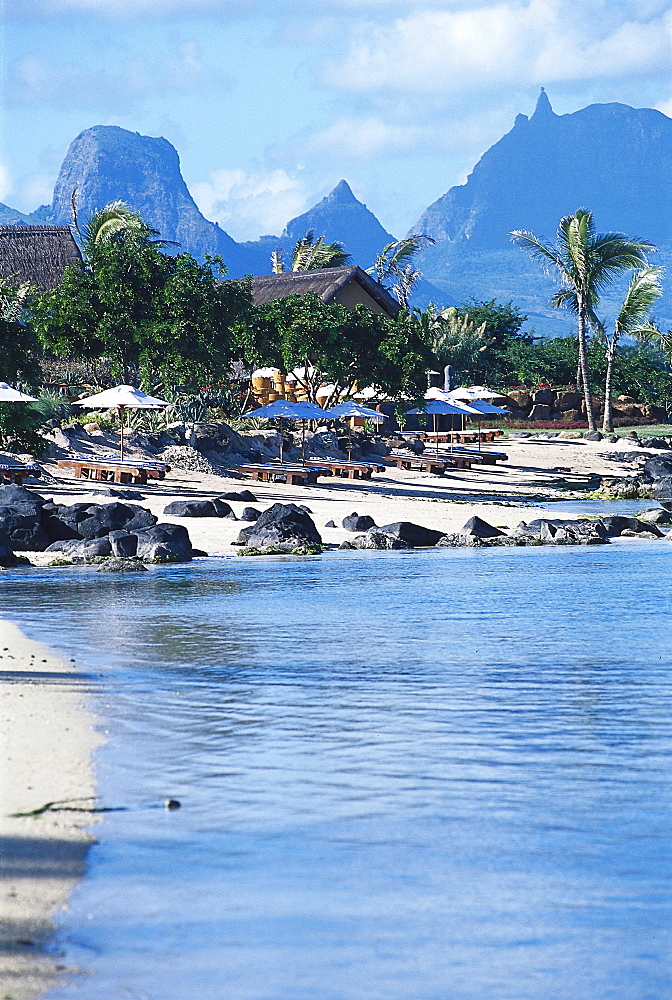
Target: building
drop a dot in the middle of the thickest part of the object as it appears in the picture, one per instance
(344, 286)
(37, 254)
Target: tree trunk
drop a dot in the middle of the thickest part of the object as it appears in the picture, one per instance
(608, 421)
(583, 366)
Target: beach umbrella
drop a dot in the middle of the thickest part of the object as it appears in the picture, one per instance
(352, 409)
(468, 393)
(282, 409)
(9, 395)
(483, 407)
(121, 398)
(441, 407)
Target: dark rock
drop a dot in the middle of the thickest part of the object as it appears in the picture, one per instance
(330, 524)
(460, 541)
(245, 496)
(658, 467)
(103, 518)
(305, 509)
(121, 494)
(478, 528)
(662, 489)
(198, 508)
(414, 534)
(657, 515)
(544, 396)
(199, 552)
(22, 522)
(123, 543)
(164, 543)
(7, 557)
(250, 514)
(82, 549)
(119, 565)
(556, 531)
(357, 522)
(377, 539)
(593, 436)
(230, 516)
(19, 494)
(283, 526)
(617, 524)
(655, 442)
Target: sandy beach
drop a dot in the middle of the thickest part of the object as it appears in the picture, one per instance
(46, 742)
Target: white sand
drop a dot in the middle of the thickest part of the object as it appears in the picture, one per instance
(46, 741)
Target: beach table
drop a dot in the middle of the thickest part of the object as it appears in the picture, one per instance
(293, 475)
(113, 470)
(16, 473)
(436, 464)
(352, 470)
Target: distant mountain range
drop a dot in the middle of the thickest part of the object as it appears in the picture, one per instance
(611, 158)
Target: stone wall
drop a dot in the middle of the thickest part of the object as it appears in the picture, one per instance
(568, 405)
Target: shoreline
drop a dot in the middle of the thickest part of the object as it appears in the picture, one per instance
(47, 739)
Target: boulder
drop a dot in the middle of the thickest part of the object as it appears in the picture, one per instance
(658, 466)
(282, 526)
(198, 508)
(120, 565)
(540, 411)
(593, 436)
(101, 519)
(82, 549)
(544, 397)
(330, 524)
(7, 557)
(662, 489)
(123, 543)
(358, 522)
(568, 400)
(245, 496)
(556, 531)
(250, 514)
(164, 543)
(376, 539)
(19, 494)
(656, 515)
(22, 522)
(618, 524)
(655, 442)
(476, 527)
(520, 398)
(414, 534)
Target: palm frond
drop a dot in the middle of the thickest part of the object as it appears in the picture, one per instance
(644, 289)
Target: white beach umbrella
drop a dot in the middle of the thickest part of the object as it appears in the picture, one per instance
(122, 397)
(10, 395)
(468, 393)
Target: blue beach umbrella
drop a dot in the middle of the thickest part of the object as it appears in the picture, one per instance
(439, 407)
(282, 409)
(352, 409)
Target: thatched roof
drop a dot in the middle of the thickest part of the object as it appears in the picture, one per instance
(38, 254)
(327, 283)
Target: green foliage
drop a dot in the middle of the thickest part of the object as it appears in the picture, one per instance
(453, 338)
(20, 346)
(19, 428)
(332, 344)
(310, 254)
(165, 318)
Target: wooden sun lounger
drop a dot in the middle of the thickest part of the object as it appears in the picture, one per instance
(352, 470)
(293, 475)
(486, 457)
(155, 470)
(432, 463)
(445, 437)
(112, 471)
(17, 473)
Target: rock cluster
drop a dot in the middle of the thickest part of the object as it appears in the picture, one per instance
(84, 531)
(282, 528)
(569, 405)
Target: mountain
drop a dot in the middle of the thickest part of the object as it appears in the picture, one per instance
(610, 158)
(341, 217)
(107, 163)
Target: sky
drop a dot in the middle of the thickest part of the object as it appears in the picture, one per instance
(271, 102)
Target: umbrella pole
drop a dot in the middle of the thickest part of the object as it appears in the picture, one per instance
(303, 442)
(349, 441)
(479, 433)
(280, 423)
(436, 435)
(121, 432)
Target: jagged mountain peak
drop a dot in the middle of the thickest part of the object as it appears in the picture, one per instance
(342, 195)
(543, 108)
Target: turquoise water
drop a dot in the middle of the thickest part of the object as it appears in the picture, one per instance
(439, 775)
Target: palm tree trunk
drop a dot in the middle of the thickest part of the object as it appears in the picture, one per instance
(583, 366)
(608, 421)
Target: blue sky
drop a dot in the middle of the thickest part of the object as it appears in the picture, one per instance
(270, 102)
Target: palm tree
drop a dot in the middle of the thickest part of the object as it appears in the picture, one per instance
(311, 255)
(632, 320)
(113, 220)
(395, 261)
(453, 339)
(586, 262)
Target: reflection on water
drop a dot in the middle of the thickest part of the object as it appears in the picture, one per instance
(403, 775)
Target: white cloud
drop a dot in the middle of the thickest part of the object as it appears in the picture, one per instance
(362, 138)
(249, 205)
(38, 79)
(6, 185)
(509, 43)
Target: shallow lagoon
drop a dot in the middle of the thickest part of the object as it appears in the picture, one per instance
(440, 774)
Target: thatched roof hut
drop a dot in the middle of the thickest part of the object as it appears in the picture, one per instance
(344, 286)
(38, 254)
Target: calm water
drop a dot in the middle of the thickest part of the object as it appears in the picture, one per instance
(437, 775)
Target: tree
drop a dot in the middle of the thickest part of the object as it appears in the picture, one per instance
(586, 262)
(633, 320)
(311, 255)
(394, 263)
(454, 339)
(331, 345)
(20, 349)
